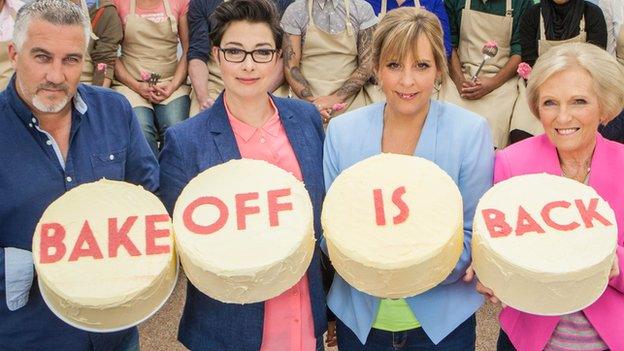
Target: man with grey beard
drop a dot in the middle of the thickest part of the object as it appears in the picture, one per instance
(56, 134)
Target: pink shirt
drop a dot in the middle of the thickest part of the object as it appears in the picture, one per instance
(156, 14)
(288, 323)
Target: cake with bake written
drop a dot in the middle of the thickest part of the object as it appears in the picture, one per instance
(544, 244)
(393, 225)
(104, 256)
(244, 231)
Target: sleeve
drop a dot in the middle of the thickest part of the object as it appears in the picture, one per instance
(199, 27)
(173, 177)
(521, 9)
(330, 167)
(529, 33)
(454, 15)
(293, 22)
(141, 165)
(183, 7)
(440, 10)
(282, 5)
(366, 15)
(595, 25)
(18, 270)
(501, 167)
(110, 33)
(475, 178)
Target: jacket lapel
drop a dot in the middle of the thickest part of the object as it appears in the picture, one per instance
(297, 139)
(219, 126)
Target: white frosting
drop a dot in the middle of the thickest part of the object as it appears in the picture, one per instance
(260, 261)
(393, 260)
(550, 273)
(109, 293)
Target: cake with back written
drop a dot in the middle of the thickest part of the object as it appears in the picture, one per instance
(244, 231)
(393, 225)
(104, 256)
(544, 244)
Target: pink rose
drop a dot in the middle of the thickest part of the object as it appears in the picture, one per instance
(101, 66)
(145, 76)
(490, 44)
(338, 107)
(524, 70)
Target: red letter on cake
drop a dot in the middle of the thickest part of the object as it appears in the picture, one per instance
(152, 233)
(85, 237)
(189, 223)
(54, 240)
(526, 223)
(276, 207)
(402, 206)
(546, 216)
(495, 223)
(119, 237)
(380, 214)
(242, 210)
(589, 214)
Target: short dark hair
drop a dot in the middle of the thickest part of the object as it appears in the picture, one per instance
(253, 11)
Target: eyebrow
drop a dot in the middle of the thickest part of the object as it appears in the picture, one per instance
(241, 45)
(38, 50)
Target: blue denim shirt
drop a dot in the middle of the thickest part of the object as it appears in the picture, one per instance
(460, 143)
(105, 142)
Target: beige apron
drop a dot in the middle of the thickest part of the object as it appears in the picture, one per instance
(328, 60)
(619, 46)
(384, 8)
(543, 45)
(87, 69)
(150, 47)
(497, 106)
(6, 68)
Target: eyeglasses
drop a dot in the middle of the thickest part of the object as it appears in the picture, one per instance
(237, 55)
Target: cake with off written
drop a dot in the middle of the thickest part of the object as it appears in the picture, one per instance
(244, 231)
(393, 225)
(104, 255)
(544, 244)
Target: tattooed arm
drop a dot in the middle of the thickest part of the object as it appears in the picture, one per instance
(292, 58)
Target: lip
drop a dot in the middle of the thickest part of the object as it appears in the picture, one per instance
(406, 96)
(248, 81)
(567, 131)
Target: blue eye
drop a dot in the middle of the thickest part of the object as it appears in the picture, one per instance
(549, 103)
(580, 101)
(393, 66)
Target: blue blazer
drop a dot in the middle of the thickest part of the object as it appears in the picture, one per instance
(458, 141)
(207, 140)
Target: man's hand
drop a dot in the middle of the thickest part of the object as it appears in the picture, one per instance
(326, 102)
(477, 89)
(331, 340)
(205, 103)
(143, 89)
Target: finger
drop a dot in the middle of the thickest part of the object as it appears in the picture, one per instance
(494, 299)
(471, 89)
(469, 274)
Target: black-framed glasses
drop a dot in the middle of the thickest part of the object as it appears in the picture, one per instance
(237, 55)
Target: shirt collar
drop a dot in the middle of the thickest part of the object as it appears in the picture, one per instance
(26, 115)
(323, 3)
(246, 132)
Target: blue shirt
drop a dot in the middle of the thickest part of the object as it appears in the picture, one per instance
(459, 142)
(434, 6)
(105, 141)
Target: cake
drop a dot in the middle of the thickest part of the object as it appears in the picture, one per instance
(393, 225)
(104, 256)
(544, 244)
(244, 231)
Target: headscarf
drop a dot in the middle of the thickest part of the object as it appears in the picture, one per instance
(561, 22)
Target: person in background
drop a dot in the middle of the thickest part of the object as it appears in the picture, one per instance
(148, 72)
(573, 89)
(247, 122)
(613, 12)
(8, 11)
(381, 7)
(203, 71)
(56, 135)
(408, 59)
(327, 53)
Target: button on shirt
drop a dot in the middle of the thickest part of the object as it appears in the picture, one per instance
(328, 15)
(288, 323)
(105, 142)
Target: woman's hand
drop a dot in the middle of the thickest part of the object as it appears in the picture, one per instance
(477, 89)
(615, 269)
(331, 339)
(144, 89)
(481, 289)
(164, 90)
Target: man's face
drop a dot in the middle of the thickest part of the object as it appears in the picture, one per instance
(49, 64)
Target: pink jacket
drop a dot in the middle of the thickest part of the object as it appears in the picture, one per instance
(530, 332)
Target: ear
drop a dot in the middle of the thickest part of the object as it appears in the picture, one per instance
(215, 54)
(13, 54)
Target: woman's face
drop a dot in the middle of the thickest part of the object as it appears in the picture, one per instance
(569, 110)
(248, 78)
(408, 85)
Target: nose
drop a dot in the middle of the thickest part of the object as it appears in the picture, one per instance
(565, 115)
(55, 73)
(248, 64)
(407, 78)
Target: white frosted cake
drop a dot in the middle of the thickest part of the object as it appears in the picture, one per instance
(104, 256)
(544, 244)
(244, 231)
(393, 225)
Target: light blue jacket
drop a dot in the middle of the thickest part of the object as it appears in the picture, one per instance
(460, 143)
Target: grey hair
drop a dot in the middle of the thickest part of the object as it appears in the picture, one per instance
(59, 12)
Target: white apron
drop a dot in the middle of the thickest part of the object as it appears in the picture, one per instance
(6, 68)
(86, 76)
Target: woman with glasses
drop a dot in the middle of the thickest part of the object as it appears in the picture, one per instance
(245, 121)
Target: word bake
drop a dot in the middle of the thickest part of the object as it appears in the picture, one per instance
(497, 226)
(244, 206)
(55, 241)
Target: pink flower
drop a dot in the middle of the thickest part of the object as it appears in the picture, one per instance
(338, 107)
(145, 76)
(101, 66)
(524, 70)
(490, 44)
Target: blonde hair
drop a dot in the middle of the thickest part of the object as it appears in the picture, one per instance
(607, 75)
(397, 34)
